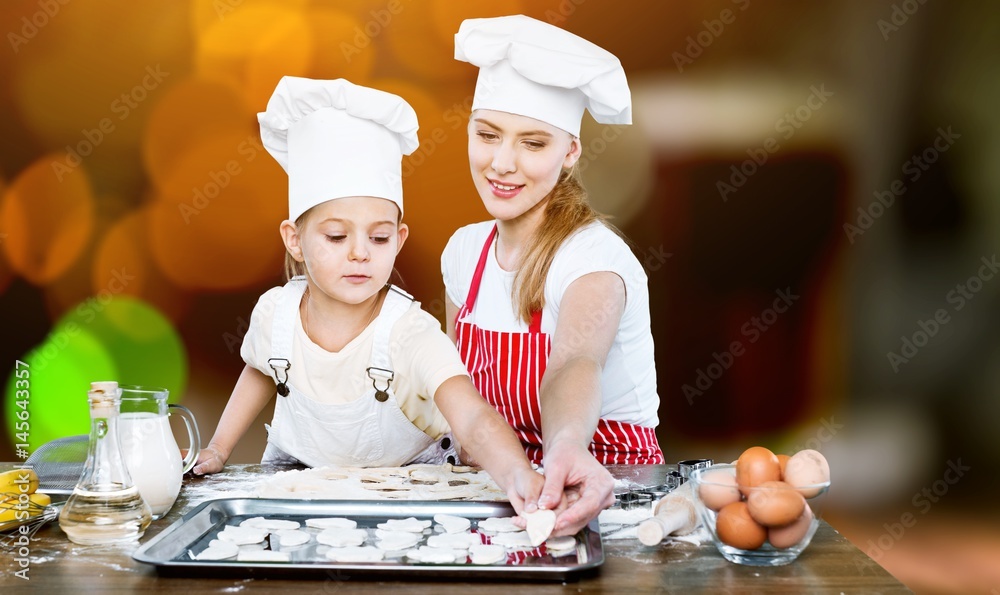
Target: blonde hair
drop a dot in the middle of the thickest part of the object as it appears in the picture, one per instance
(566, 211)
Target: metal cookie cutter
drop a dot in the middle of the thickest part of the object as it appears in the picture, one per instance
(686, 468)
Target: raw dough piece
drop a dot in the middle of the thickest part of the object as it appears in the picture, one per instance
(290, 538)
(560, 544)
(514, 541)
(262, 556)
(396, 540)
(452, 524)
(487, 554)
(540, 524)
(331, 523)
(259, 522)
(434, 555)
(242, 535)
(412, 525)
(454, 541)
(218, 550)
(499, 525)
(342, 537)
(365, 553)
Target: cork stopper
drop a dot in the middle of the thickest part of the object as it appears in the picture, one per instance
(104, 397)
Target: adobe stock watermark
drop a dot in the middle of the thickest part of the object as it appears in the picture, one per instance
(363, 36)
(122, 107)
(713, 29)
(562, 12)
(923, 501)
(913, 169)
(32, 24)
(828, 429)
(786, 126)
(87, 311)
(203, 196)
(957, 298)
(899, 16)
(752, 330)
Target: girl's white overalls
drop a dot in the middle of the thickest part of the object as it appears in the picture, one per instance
(371, 431)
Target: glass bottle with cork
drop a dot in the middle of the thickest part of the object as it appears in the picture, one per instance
(105, 506)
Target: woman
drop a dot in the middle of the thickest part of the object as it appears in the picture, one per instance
(547, 304)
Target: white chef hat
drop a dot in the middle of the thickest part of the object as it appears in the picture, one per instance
(337, 139)
(535, 69)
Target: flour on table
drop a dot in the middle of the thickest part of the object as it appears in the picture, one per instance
(413, 482)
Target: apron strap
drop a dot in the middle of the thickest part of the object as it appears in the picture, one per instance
(535, 326)
(283, 329)
(396, 303)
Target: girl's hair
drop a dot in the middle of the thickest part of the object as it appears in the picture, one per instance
(566, 211)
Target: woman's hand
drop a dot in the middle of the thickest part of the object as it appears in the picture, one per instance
(574, 479)
(210, 460)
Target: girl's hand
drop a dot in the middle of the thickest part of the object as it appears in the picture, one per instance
(210, 460)
(524, 488)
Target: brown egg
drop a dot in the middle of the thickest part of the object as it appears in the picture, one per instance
(775, 503)
(735, 527)
(792, 533)
(806, 468)
(755, 466)
(782, 461)
(718, 488)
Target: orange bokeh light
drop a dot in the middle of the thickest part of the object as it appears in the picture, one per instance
(48, 221)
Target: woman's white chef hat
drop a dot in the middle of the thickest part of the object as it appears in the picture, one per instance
(337, 139)
(534, 69)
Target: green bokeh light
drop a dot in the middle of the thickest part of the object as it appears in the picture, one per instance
(114, 338)
(59, 373)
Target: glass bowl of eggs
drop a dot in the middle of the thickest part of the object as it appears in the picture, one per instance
(763, 510)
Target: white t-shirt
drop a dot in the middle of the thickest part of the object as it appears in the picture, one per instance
(422, 356)
(629, 380)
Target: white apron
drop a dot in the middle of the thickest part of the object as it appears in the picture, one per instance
(371, 431)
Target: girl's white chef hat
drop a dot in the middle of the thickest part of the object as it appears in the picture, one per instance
(337, 139)
(535, 69)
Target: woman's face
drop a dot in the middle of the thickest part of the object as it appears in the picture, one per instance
(349, 246)
(516, 161)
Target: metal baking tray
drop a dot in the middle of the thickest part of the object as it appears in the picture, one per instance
(170, 550)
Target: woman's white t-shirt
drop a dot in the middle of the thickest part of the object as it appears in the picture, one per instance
(629, 380)
(422, 356)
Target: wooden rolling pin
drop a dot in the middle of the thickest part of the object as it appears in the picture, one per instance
(673, 515)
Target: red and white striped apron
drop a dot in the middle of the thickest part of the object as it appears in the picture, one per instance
(507, 369)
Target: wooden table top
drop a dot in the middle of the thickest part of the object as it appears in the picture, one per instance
(831, 564)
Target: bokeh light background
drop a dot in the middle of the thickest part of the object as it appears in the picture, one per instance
(139, 216)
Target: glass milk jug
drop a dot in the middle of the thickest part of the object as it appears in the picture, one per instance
(151, 453)
(105, 507)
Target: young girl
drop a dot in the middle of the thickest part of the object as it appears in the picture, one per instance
(364, 377)
(546, 293)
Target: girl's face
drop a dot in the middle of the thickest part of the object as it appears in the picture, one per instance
(348, 245)
(516, 161)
